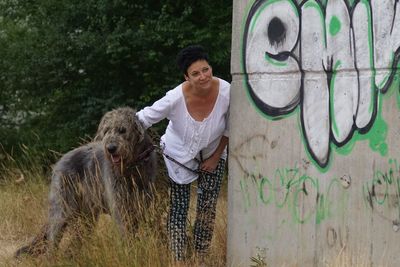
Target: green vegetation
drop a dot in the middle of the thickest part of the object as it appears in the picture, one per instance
(63, 64)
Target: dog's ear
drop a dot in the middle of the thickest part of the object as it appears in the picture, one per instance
(139, 127)
(100, 129)
(99, 134)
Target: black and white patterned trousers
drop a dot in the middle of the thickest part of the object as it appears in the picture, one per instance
(209, 186)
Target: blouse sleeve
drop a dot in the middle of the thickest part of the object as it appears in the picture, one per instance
(156, 112)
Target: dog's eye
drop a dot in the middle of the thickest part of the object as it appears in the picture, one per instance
(122, 130)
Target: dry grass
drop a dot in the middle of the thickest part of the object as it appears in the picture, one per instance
(23, 209)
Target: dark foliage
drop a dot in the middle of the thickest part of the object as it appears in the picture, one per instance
(63, 64)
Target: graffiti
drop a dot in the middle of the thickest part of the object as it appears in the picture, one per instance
(337, 236)
(382, 193)
(306, 200)
(300, 194)
(256, 145)
(333, 59)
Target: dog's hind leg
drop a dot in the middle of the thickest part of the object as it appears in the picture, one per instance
(56, 229)
(37, 246)
(61, 209)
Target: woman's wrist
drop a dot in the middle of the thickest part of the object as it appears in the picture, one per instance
(216, 156)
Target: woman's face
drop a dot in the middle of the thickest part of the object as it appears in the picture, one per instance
(199, 74)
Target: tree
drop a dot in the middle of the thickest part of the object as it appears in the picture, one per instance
(65, 63)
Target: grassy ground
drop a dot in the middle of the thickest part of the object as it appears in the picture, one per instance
(23, 209)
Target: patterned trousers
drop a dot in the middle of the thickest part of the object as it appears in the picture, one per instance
(209, 186)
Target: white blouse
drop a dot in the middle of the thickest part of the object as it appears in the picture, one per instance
(185, 137)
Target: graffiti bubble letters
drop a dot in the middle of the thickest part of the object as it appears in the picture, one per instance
(330, 58)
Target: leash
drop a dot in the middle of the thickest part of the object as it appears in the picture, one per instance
(196, 171)
(145, 154)
(203, 185)
(139, 160)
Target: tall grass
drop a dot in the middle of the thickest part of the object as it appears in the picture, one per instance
(24, 186)
(23, 207)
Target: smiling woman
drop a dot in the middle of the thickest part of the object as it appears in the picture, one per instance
(198, 111)
(200, 90)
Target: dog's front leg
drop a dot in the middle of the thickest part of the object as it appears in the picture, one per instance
(113, 199)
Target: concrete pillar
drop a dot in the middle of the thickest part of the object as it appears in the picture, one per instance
(314, 163)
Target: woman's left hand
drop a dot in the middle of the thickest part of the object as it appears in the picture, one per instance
(210, 164)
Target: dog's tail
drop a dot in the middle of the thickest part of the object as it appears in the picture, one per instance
(37, 246)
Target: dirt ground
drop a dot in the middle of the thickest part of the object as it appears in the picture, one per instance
(7, 249)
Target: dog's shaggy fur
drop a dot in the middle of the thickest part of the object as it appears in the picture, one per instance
(112, 174)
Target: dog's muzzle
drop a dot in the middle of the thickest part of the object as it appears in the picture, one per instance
(112, 150)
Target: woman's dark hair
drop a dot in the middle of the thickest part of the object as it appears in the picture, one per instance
(190, 54)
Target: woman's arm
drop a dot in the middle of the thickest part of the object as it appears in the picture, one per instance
(156, 112)
(211, 163)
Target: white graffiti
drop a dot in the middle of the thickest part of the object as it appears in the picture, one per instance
(332, 59)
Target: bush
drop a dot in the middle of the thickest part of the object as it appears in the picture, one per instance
(65, 63)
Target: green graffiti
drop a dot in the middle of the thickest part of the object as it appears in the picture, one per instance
(265, 183)
(396, 85)
(380, 179)
(298, 194)
(245, 193)
(382, 192)
(377, 136)
(283, 179)
(274, 61)
(303, 191)
(334, 26)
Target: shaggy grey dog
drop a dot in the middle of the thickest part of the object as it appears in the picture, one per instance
(114, 174)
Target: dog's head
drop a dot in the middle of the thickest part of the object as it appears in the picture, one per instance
(120, 131)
